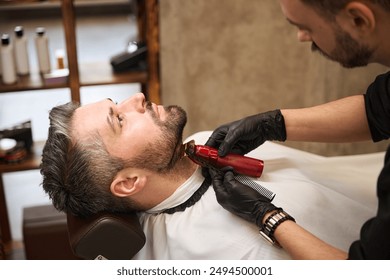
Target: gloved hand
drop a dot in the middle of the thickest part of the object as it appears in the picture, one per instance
(239, 198)
(244, 135)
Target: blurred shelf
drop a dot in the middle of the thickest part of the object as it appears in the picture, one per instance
(33, 81)
(32, 161)
(47, 4)
(101, 73)
(91, 74)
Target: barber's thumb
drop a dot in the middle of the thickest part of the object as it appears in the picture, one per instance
(229, 177)
(218, 185)
(212, 142)
(228, 142)
(216, 175)
(223, 149)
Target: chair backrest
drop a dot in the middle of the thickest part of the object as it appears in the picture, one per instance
(106, 235)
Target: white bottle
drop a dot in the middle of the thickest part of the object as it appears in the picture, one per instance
(42, 45)
(21, 53)
(7, 60)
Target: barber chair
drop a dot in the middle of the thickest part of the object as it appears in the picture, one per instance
(106, 236)
(45, 234)
(52, 235)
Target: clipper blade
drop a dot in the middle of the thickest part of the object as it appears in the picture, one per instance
(256, 186)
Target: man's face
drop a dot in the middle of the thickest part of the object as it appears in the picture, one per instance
(143, 133)
(327, 37)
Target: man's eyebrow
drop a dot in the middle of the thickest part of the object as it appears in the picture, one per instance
(110, 119)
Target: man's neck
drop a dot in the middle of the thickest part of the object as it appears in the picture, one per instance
(162, 186)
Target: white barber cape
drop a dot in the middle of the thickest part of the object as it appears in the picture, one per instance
(329, 196)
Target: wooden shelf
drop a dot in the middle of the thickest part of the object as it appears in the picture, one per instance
(101, 73)
(91, 74)
(32, 161)
(33, 81)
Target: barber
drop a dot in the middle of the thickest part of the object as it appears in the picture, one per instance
(353, 33)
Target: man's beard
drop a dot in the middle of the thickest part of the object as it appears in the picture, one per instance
(163, 154)
(348, 52)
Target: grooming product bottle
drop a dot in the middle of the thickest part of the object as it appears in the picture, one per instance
(21, 53)
(60, 58)
(7, 60)
(42, 46)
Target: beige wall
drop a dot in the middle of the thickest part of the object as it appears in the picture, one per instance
(225, 59)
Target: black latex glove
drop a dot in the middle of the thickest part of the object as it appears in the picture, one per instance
(239, 198)
(244, 135)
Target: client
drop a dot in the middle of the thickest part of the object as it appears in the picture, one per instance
(129, 157)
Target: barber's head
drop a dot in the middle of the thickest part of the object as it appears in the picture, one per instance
(345, 31)
(93, 150)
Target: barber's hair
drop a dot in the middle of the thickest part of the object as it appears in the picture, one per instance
(329, 8)
(77, 174)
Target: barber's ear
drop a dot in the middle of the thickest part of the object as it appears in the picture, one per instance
(361, 16)
(125, 184)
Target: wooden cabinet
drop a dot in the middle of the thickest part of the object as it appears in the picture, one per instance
(81, 75)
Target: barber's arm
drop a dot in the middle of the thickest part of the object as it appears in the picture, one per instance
(343, 120)
(340, 121)
(275, 225)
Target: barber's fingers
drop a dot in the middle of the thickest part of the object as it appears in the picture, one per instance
(223, 179)
(217, 176)
(231, 138)
(206, 172)
(212, 142)
(219, 186)
(229, 177)
(237, 189)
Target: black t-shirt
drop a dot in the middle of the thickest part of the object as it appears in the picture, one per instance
(374, 240)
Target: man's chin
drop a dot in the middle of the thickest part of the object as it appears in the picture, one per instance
(349, 65)
(345, 64)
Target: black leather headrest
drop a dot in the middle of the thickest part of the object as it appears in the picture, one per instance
(113, 236)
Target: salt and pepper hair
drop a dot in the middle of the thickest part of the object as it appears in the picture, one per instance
(77, 174)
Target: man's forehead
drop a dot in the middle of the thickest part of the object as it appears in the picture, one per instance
(87, 118)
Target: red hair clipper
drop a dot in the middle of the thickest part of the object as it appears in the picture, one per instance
(208, 157)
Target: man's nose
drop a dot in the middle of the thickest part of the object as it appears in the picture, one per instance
(135, 102)
(303, 36)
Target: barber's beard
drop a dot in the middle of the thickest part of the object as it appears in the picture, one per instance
(163, 154)
(348, 52)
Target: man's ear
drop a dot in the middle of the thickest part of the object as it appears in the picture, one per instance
(360, 15)
(126, 183)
